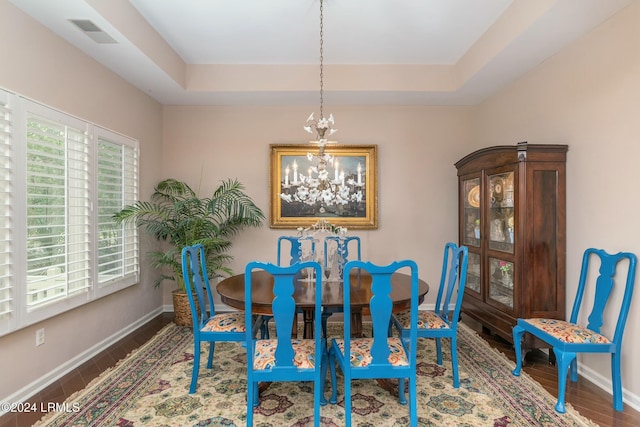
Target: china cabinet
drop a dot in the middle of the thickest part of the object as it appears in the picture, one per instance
(512, 219)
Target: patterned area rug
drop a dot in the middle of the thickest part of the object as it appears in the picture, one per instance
(150, 388)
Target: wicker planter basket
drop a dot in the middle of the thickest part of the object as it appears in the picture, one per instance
(182, 309)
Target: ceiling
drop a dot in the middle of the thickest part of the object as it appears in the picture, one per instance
(257, 52)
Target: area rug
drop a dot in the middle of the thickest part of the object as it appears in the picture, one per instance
(150, 388)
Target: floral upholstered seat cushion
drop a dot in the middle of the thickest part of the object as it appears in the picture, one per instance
(568, 332)
(265, 354)
(226, 322)
(426, 320)
(361, 351)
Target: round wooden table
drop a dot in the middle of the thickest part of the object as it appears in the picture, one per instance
(231, 292)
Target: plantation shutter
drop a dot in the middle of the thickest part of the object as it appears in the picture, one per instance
(58, 208)
(117, 187)
(7, 300)
(61, 180)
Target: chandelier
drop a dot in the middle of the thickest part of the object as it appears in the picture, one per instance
(321, 191)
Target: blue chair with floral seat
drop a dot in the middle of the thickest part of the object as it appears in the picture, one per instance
(582, 334)
(285, 358)
(442, 322)
(381, 356)
(208, 326)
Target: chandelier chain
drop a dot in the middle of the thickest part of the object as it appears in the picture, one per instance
(321, 59)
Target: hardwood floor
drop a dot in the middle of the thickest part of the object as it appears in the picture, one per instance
(591, 401)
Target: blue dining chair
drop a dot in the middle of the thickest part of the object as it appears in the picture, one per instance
(342, 247)
(295, 255)
(587, 334)
(442, 322)
(285, 358)
(381, 356)
(208, 326)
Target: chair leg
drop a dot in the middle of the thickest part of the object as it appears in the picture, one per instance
(318, 397)
(325, 316)
(347, 396)
(563, 360)
(212, 347)
(616, 379)
(454, 362)
(413, 401)
(196, 366)
(517, 345)
(439, 350)
(264, 328)
(323, 378)
(256, 394)
(334, 383)
(402, 399)
(250, 399)
(573, 370)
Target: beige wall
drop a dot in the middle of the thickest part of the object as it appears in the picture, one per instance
(417, 147)
(38, 64)
(587, 96)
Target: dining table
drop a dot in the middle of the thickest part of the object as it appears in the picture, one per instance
(232, 293)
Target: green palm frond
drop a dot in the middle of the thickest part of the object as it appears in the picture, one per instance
(177, 215)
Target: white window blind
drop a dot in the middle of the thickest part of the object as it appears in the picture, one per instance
(58, 213)
(117, 186)
(7, 310)
(61, 181)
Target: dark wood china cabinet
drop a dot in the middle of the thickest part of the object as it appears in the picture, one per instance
(512, 218)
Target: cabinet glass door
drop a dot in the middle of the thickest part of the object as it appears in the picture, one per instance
(501, 212)
(471, 214)
(473, 272)
(501, 281)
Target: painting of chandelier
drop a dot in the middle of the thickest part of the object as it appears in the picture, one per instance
(323, 184)
(309, 182)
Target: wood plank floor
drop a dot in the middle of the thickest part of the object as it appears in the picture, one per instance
(591, 401)
(587, 398)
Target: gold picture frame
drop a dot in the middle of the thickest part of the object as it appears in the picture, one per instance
(344, 190)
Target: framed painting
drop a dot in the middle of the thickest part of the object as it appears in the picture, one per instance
(338, 185)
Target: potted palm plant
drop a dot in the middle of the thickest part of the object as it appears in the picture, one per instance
(176, 215)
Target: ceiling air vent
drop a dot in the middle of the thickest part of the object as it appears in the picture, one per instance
(94, 32)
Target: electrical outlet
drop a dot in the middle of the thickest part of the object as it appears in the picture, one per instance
(39, 337)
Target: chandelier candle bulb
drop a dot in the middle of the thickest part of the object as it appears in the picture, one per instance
(359, 174)
(295, 172)
(337, 175)
(286, 176)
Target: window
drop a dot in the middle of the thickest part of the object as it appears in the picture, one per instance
(117, 181)
(62, 180)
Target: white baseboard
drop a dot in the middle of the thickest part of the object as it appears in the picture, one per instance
(604, 383)
(34, 387)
